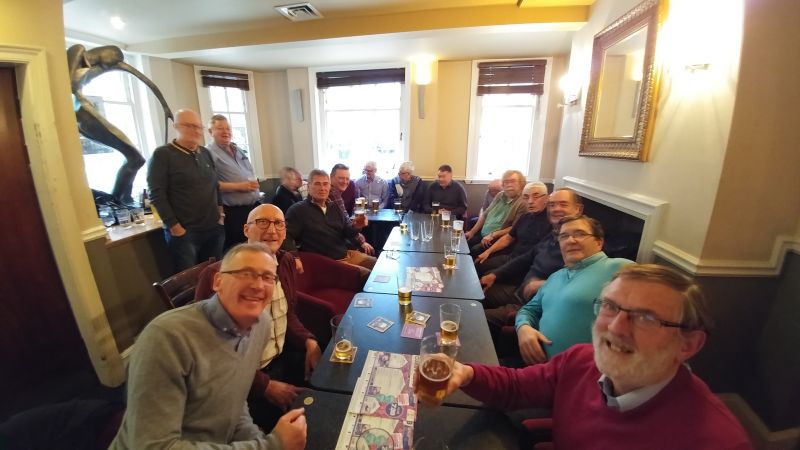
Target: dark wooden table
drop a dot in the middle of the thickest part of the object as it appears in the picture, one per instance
(402, 242)
(379, 227)
(461, 283)
(458, 428)
(476, 342)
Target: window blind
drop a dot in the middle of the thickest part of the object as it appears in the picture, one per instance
(356, 77)
(511, 77)
(225, 79)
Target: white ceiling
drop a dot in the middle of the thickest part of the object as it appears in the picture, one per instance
(151, 23)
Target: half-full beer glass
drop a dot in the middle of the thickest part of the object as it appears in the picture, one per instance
(449, 320)
(445, 218)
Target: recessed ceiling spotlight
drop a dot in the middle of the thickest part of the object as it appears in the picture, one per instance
(117, 23)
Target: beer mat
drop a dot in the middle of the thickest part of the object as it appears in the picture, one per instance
(349, 360)
(439, 338)
(362, 302)
(426, 279)
(380, 324)
(382, 278)
(412, 330)
(419, 317)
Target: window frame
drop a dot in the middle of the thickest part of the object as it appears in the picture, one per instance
(539, 117)
(317, 120)
(251, 114)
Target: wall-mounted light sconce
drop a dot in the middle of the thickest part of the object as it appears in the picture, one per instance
(422, 77)
(571, 88)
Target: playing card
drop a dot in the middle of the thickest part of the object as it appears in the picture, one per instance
(380, 324)
(382, 278)
(412, 330)
(362, 302)
(419, 317)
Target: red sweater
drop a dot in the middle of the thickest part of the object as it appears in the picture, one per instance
(684, 415)
(296, 333)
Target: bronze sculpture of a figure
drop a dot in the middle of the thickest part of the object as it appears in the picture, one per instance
(86, 65)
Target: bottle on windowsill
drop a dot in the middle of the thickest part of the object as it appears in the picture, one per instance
(145, 200)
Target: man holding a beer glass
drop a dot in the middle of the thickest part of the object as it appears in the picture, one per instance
(630, 387)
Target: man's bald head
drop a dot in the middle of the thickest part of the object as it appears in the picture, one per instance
(266, 224)
(189, 128)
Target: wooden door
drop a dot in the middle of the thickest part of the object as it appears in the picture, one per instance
(40, 346)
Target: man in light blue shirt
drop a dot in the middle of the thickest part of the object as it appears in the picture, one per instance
(371, 186)
(238, 184)
(562, 311)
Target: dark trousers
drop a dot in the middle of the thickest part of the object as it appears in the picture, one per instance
(494, 262)
(288, 367)
(235, 218)
(194, 247)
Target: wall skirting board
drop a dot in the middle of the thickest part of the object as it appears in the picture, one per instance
(730, 267)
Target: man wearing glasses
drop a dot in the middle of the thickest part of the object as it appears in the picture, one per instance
(193, 366)
(291, 352)
(560, 314)
(184, 189)
(630, 388)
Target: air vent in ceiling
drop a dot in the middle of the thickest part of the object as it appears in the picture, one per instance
(298, 12)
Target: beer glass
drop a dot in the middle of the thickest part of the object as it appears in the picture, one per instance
(405, 285)
(361, 201)
(404, 227)
(458, 227)
(449, 320)
(106, 214)
(360, 216)
(449, 256)
(398, 207)
(435, 209)
(445, 219)
(427, 230)
(434, 367)
(137, 216)
(342, 332)
(376, 205)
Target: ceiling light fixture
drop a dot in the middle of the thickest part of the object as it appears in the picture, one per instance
(117, 23)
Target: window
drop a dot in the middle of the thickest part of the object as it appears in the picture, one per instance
(506, 127)
(113, 94)
(361, 118)
(230, 93)
(230, 102)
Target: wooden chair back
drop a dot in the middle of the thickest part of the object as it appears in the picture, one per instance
(178, 290)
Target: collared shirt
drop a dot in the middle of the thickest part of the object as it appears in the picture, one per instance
(377, 189)
(278, 310)
(497, 213)
(223, 322)
(233, 168)
(632, 399)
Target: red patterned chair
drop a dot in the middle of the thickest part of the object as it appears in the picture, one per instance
(324, 290)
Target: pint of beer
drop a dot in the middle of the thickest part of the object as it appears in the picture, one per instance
(435, 209)
(359, 216)
(449, 256)
(376, 205)
(458, 228)
(342, 332)
(361, 201)
(398, 207)
(405, 285)
(449, 319)
(445, 219)
(434, 368)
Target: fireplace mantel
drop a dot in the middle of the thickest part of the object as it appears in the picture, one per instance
(643, 207)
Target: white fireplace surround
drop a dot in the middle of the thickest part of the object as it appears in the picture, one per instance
(640, 206)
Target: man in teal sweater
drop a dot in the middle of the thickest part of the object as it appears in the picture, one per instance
(192, 367)
(561, 313)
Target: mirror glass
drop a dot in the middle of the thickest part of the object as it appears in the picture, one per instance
(620, 87)
(623, 87)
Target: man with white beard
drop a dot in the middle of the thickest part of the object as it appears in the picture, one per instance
(630, 388)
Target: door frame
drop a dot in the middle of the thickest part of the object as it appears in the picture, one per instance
(57, 208)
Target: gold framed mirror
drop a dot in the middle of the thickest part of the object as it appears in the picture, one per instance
(623, 88)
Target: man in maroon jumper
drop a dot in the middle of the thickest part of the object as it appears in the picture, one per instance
(630, 388)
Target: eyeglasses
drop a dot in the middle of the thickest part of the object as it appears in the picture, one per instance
(577, 235)
(264, 224)
(534, 196)
(191, 126)
(638, 317)
(251, 275)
